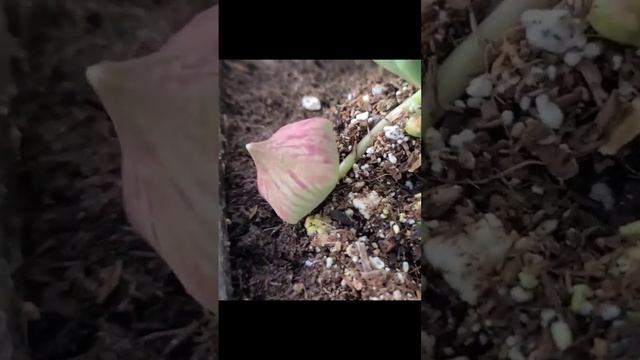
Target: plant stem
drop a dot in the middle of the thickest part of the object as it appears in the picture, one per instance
(407, 107)
(467, 60)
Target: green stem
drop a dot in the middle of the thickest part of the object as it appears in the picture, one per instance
(467, 60)
(407, 107)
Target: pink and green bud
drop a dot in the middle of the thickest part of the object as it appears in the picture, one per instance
(297, 167)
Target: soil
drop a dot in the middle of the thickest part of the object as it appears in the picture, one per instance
(553, 193)
(272, 260)
(93, 288)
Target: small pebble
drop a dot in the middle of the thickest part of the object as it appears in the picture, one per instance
(460, 104)
(603, 194)
(480, 87)
(465, 136)
(592, 50)
(311, 103)
(507, 117)
(561, 334)
(609, 311)
(527, 281)
(376, 262)
(546, 315)
(362, 116)
(392, 158)
(396, 228)
(475, 102)
(370, 150)
(329, 262)
(553, 30)
(537, 190)
(520, 295)
(378, 89)
(405, 266)
(550, 113)
(517, 130)
(393, 132)
(366, 98)
(525, 103)
(572, 58)
(586, 309)
(409, 184)
(309, 263)
(616, 61)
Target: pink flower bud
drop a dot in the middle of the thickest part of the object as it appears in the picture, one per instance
(297, 167)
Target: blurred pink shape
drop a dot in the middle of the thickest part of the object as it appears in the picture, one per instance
(165, 107)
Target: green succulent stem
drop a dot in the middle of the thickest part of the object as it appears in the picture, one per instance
(408, 107)
(408, 70)
(468, 58)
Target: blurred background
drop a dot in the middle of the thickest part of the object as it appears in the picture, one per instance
(87, 285)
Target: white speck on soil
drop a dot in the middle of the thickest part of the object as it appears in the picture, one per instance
(376, 262)
(525, 103)
(378, 89)
(520, 295)
(527, 281)
(603, 194)
(409, 184)
(572, 58)
(546, 315)
(609, 312)
(362, 116)
(311, 103)
(405, 267)
(393, 132)
(561, 335)
(592, 50)
(367, 205)
(507, 117)
(517, 130)
(480, 87)
(392, 158)
(396, 228)
(616, 61)
(460, 104)
(475, 102)
(553, 30)
(537, 190)
(585, 309)
(366, 98)
(465, 136)
(309, 263)
(550, 113)
(329, 262)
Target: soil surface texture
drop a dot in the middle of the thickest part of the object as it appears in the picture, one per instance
(527, 190)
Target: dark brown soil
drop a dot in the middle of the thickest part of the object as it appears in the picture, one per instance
(273, 260)
(94, 288)
(542, 193)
